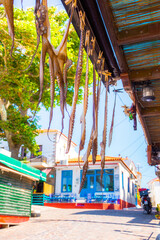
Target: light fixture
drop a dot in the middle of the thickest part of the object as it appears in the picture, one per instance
(148, 93)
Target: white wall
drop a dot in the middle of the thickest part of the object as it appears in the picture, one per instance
(157, 193)
(61, 145)
(4, 144)
(154, 187)
(47, 145)
(124, 194)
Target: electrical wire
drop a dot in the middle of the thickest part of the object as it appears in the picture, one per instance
(120, 122)
(136, 149)
(120, 99)
(131, 143)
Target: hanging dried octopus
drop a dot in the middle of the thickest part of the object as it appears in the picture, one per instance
(57, 57)
(67, 66)
(40, 17)
(8, 5)
(94, 132)
(85, 99)
(112, 123)
(77, 80)
(95, 118)
(85, 160)
(100, 63)
(91, 145)
(103, 143)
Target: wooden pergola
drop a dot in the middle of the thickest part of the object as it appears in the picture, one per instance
(128, 34)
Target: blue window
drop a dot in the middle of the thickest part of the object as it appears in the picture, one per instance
(128, 184)
(67, 181)
(108, 180)
(122, 181)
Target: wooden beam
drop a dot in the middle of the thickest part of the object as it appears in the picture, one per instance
(147, 32)
(108, 22)
(126, 82)
(149, 152)
(150, 111)
(145, 74)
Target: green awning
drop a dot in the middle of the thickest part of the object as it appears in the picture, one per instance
(22, 167)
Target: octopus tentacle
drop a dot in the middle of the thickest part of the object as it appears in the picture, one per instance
(40, 28)
(103, 143)
(59, 77)
(38, 41)
(85, 100)
(61, 86)
(77, 81)
(95, 119)
(41, 71)
(85, 159)
(52, 90)
(85, 168)
(62, 48)
(112, 123)
(67, 66)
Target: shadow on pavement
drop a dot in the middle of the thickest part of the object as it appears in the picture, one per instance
(137, 218)
(137, 215)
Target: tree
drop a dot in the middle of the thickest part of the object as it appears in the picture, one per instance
(19, 90)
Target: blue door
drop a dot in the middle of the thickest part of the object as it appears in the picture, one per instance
(89, 185)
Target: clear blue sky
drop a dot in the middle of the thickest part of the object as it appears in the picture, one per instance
(31, 3)
(125, 141)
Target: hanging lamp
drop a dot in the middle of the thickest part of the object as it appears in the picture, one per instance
(148, 93)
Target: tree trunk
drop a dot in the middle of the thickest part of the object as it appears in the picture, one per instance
(13, 148)
(14, 152)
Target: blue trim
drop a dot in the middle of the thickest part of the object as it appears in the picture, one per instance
(122, 180)
(128, 184)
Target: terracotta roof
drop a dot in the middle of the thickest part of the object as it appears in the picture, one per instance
(98, 159)
(55, 131)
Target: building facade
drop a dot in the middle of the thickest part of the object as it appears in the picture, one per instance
(118, 184)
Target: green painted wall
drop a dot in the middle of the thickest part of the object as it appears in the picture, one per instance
(15, 194)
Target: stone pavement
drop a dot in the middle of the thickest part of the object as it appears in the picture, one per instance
(84, 224)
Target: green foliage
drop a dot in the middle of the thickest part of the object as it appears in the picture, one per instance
(21, 88)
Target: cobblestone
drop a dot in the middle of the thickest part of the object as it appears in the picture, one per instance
(80, 224)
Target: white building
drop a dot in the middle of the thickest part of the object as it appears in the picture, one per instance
(52, 149)
(118, 181)
(154, 187)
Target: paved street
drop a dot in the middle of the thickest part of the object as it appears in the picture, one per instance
(77, 224)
